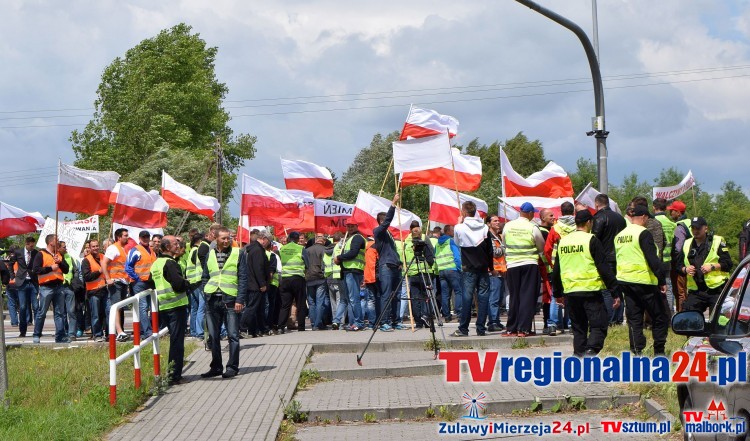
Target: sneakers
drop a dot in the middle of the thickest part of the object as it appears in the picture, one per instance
(36, 339)
(399, 327)
(229, 373)
(99, 339)
(458, 333)
(63, 340)
(122, 337)
(352, 328)
(495, 327)
(526, 334)
(335, 326)
(385, 328)
(552, 331)
(481, 333)
(509, 334)
(79, 333)
(545, 330)
(211, 374)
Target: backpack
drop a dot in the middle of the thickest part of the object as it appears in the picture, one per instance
(744, 239)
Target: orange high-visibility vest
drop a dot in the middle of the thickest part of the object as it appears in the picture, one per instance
(99, 282)
(48, 260)
(498, 263)
(143, 267)
(117, 266)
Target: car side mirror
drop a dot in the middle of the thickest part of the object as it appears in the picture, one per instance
(690, 323)
(724, 345)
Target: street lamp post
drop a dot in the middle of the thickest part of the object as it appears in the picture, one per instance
(598, 129)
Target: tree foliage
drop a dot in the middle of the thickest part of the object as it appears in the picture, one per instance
(586, 172)
(160, 108)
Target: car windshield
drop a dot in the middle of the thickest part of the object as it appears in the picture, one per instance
(735, 305)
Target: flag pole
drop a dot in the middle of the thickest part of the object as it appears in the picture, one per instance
(695, 207)
(390, 164)
(403, 258)
(57, 202)
(455, 178)
(502, 181)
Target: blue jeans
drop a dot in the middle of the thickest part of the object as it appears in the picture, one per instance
(70, 318)
(388, 279)
(28, 305)
(13, 305)
(97, 301)
(451, 280)
(497, 291)
(55, 296)
(218, 312)
(342, 305)
(369, 309)
(144, 305)
(480, 282)
(404, 308)
(197, 311)
(555, 318)
(352, 281)
(316, 301)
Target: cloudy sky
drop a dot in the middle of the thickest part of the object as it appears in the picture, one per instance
(315, 80)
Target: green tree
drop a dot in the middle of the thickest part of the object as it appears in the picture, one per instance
(630, 188)
(160, 107)
(729, 213)
(585, 172)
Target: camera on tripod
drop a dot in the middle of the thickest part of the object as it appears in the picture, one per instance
(418, 245)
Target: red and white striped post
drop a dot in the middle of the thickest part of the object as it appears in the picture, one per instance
(155, 330)
(137, 343)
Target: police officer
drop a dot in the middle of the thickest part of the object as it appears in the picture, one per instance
(171, 292)
(580, 275)
(639, 273)
(705, 261)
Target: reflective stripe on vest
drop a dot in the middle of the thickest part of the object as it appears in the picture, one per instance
(143, 267)
(444, 256)
(168, 299)
(116, 267)
(578, 271)
(194, 271)
(71, 264)
(562, 230)
(631, 263)
(224, 279)
(99, 282)
(53, 275)
(498, 263)
(519, 242)
(358, 262)
(668, 226)
(291, 260)
(713, 279)
(276, 275)
(332, 270)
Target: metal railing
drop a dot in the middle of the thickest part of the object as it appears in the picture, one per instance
(138, 345)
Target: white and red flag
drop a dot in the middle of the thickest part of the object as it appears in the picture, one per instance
(468, 174)
(263, 202)
(538, 203)
(84, 191)
(587, 196)
(421, 154)
(305, 223)
(366, 211)
(444, 207)
(331, 216)
(137, 207)
(15, 221)
(506, 213)
(181, 196)
(303, 175)
(424, 122)
(551, 182)
(244, 228)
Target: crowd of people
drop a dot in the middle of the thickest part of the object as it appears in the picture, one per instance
(587, 270)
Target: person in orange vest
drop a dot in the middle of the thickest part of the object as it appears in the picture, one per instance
(138, 266)
(371, 309)
(50, 267)
(117, 280)
(96, 289)
(497, 276)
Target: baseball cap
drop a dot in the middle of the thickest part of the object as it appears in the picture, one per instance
(698, 222)
(640, 210)
(583, 216)
(351, 221)
(526, 207)
(677, 206)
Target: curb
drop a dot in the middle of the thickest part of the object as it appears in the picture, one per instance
(454, 344)
(657, 411)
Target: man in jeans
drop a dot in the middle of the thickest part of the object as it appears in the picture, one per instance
(315, 278)
(497, 276)
(352, 261)
(138, 266)
(25, 284)
(113, 269)
(96, 290)
(448, 257)
(472, 235)
(194, 275)
(389, 268)
(50, 268)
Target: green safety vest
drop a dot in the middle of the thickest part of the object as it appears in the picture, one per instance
(713, 279)
(224, 279)
(184, 262)
(668, 226)
(71, 267)
(291, 260)
(168, 299)
(562, 230)
(332, 270)
(409, 255)
(519, 242)
(631, 263)
(577, 267)
(358, 262)
(444, 256)
(434, 269)
(194, 271)
(276, 278)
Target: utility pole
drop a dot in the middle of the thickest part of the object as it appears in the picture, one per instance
(219, 158)
(598, 129)
(3, 366)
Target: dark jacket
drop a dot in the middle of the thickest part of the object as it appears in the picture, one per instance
(38, 268)
(384, 243)
(701, 252)
(4, 273)
(20, 276)
(600, 260)
(478, 259)
(257, 266)
(314, 267)
(607, 225)
(173, 275)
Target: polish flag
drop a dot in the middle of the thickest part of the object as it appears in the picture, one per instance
(587, 196)
(181, 196)
(506, 213)
(551, 182)
(15, 221)
(244, 228)
(468, 174)
(139, 208)
(331, 216)
(538, 203)
(303, 175)
(444, 207)
(84, 191)
(263, 202)
(366, 211)
(424, 122)
(306, 222)
(421, 154)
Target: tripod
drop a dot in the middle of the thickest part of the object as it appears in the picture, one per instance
(432, 313)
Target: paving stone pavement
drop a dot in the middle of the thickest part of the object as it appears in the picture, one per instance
(246, 407)
(426, 431)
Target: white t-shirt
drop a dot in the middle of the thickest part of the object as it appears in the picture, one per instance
(112, 252)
